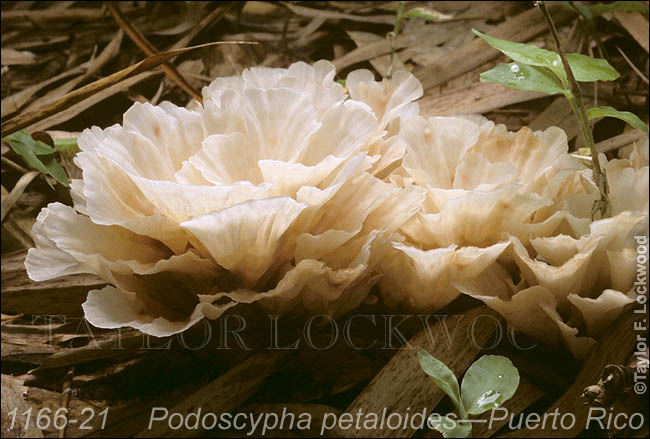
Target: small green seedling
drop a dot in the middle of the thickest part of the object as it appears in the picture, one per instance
(39, 155)
(488, 383)
(418, 12)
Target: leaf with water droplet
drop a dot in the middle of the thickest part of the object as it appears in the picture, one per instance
(489, 397)
(526, 54)
(488, 383)
(584, 68)
(527, 78)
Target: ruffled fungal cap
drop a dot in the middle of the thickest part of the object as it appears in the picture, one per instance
(507, 220)
(262, 194)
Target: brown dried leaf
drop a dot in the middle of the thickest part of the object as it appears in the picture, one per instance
(9, 201)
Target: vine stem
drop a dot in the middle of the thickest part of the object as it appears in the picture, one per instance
(575, 100)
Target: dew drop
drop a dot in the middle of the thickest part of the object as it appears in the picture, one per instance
(489, 397)
(556, 63)
(514, 68)
(499, 376)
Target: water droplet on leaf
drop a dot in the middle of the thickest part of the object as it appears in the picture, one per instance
(514, 68)
(489, 397)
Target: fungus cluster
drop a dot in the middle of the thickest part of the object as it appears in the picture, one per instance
(286, 189)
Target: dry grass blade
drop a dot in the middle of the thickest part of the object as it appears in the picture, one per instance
(632, 66)
(110, 51)
(16, 192)
(11, 57)
(302, 36)
(13, 165)
(207, 21)
(77, 108)
(72, 98)
(16, 101)
(383, 46)
(150, 50)
(57, 15)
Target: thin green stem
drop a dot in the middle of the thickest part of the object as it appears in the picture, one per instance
(462, 411)
(393, 37)
(602, 205)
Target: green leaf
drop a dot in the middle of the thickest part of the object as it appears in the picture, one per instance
(526, 53)
(584, 68)
(442, 377)
(602, 8)
(626, 116)
(65, 144)
(28, 141)
(488, 383)
(38, 155)
(23, 145)
(42, 148)
(588, 69)
(55, 170)
(524, 77)
(449, 426)
(419, 13)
